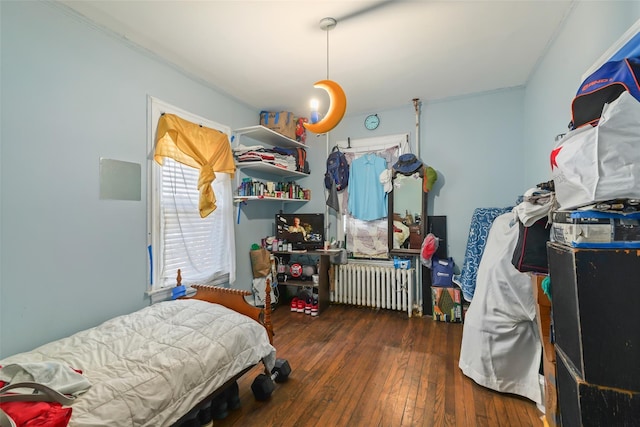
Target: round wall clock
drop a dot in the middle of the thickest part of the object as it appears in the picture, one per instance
(372, 121)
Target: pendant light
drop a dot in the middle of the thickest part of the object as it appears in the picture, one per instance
(337, 98)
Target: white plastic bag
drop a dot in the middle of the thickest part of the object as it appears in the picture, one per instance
(592, 164)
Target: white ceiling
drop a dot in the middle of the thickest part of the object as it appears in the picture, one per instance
(268, 54)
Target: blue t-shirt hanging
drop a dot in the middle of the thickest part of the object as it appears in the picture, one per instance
(367, 198)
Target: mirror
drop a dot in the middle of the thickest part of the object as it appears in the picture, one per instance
(407, 214)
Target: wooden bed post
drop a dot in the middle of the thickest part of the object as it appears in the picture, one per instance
(267, 309)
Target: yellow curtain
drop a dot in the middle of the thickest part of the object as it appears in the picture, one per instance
(202, 148)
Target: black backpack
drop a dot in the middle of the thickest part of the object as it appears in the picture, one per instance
(337, 170)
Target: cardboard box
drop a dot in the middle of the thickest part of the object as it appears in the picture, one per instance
(282, 122)
(446, 304)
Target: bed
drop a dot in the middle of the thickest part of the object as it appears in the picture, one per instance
(159, 365)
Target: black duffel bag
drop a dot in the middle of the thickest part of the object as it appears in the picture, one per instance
(530, 253)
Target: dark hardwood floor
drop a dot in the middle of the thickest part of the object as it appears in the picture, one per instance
(364, 367)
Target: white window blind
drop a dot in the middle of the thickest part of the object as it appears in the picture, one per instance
(191, 243)
(202, 248)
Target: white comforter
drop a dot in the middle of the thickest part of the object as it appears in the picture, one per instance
(151, 367)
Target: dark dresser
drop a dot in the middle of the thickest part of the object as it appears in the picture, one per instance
(596, 322)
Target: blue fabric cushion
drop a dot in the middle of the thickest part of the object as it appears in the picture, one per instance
(480, 224)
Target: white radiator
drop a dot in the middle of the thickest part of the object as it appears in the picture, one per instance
(374, 285)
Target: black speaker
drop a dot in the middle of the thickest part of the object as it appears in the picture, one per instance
(437, 225)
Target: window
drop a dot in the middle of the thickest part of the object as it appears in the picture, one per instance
(202, 248)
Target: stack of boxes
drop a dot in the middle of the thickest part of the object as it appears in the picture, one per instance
(446, 299)
(595, 295)
(594, 298)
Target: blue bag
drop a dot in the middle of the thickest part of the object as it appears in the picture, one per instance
(604, 86)
(442, 272)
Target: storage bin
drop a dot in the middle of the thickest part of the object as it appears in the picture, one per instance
(282, 122)
(447, 305)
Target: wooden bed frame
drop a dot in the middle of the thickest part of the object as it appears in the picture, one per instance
(234, 300)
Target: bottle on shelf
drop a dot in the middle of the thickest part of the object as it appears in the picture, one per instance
(279, 190)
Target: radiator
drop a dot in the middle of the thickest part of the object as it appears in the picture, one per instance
(373, 285)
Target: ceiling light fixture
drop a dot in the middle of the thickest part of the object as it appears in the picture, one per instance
(337, 98)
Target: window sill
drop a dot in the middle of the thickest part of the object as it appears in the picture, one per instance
(164, 294)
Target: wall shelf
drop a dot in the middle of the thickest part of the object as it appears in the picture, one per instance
(261, 133)
(266, 136)
(269, 168)
(238, 199)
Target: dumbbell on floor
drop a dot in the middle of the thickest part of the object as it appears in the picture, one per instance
(264, 385)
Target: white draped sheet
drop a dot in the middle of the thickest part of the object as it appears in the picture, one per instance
(501, 347)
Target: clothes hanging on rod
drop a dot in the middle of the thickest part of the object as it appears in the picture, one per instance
(389, 154)
(367, 145)
(359, 237)
(367, 199)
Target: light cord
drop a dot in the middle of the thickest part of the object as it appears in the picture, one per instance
(327, 30)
